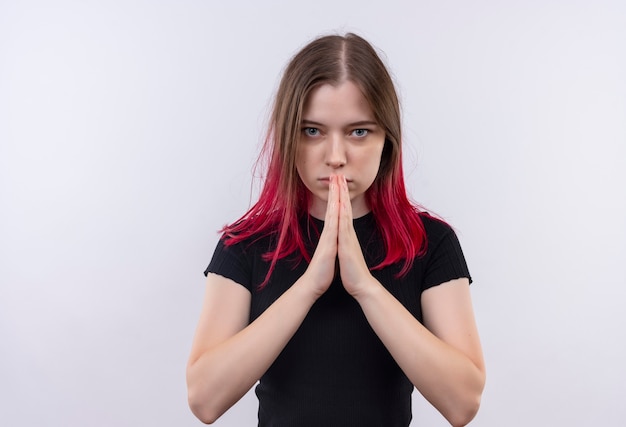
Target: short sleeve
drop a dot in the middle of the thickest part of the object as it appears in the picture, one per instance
(231, 262)
(444, 257)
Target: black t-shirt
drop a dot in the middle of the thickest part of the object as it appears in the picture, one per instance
(335, 371)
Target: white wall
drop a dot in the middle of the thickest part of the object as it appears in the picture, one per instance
(127, 134)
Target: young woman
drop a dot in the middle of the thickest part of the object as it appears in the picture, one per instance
(334, 292)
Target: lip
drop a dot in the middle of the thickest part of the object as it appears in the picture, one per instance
(327, 179)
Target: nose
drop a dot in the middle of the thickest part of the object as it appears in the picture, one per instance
(335, 152)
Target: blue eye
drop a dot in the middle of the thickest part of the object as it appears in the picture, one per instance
(311, 131)
(360, 132)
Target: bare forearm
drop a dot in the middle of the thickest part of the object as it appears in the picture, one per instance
(446, 377)
(219, 377)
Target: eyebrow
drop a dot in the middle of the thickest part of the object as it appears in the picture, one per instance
(359, 123)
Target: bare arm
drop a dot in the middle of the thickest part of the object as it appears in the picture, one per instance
(229, 355)
(443, 359)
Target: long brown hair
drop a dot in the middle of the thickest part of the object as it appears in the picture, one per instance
(331, 59)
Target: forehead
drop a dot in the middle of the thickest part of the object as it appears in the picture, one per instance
(336, 103)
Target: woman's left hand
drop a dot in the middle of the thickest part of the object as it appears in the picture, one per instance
(355, 275)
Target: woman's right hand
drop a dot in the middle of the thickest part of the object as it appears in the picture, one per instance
(321, 270)
(229, 355)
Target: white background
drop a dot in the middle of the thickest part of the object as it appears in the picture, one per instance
(128, 130)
